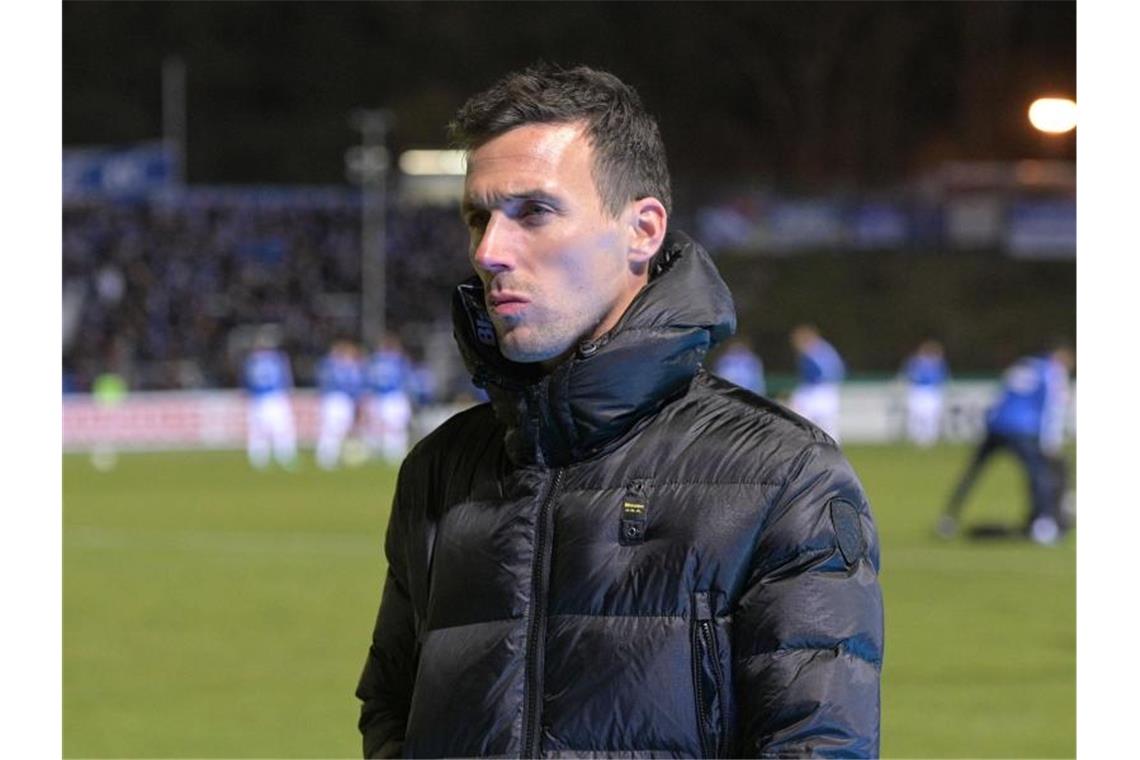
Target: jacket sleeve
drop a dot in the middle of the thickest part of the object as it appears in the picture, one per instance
(386, 684)
(808, 632)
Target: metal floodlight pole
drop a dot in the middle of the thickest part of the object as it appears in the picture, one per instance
(174, 113)
(368, 163)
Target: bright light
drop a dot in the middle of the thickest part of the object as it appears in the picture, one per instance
(434, 162)
(1053, 115)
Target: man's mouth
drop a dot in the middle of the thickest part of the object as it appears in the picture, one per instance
(506, 303)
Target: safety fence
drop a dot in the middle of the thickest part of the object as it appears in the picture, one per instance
(871, 412)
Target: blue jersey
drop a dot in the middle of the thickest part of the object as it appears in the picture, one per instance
(1033, 399)
(338, 374)
(267, 371)
(926, 371)
(423, 382)
(388, 372)
(742, 367)
(820, 363)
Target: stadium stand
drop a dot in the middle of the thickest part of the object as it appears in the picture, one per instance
(166, 284)
(172, 284)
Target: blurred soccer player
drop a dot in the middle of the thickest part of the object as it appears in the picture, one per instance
(423, 384)
(389, 409)
(1027, 420)
(821, 370)
(926, 374)
(341, 380)
(739, 364)
(270, 427)
(108, 391)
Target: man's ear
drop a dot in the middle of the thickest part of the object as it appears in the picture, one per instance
(648, 220)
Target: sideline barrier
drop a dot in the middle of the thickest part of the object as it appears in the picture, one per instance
(870, 412)
(172, 420)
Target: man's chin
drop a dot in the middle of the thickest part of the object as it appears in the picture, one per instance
(518, 349)
(524, 356)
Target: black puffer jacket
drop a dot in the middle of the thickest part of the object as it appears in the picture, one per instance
(627, 557)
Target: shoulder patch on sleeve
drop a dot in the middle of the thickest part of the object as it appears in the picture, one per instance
(848, 530)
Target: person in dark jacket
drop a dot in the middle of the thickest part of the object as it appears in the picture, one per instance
(621, 554)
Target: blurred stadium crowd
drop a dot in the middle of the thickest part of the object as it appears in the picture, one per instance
(168, 288)
(162, 292)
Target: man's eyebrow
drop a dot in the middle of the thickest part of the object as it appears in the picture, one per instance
(495, 200)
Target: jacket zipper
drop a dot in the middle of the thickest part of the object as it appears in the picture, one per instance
(532, 716)
(705, 649)
(702, 716)
(710, 636)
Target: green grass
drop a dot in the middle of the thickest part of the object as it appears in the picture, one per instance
(213, 611)
(980, 637)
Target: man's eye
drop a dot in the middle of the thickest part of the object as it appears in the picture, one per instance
(536, 210)
(477, 220)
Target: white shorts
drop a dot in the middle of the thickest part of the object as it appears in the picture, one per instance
(391, 411)
(337, 413)
(820, 404)
(271, 416)
(924, 414)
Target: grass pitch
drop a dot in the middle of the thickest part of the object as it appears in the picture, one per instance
(214, 611)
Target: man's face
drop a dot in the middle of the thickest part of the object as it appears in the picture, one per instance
(552, 261)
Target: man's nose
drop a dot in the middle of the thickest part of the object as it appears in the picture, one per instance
(492, 252)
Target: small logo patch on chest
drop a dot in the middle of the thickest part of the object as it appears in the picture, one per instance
(634, 514)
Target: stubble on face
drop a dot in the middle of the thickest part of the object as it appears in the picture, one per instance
(562, 311)
(549, 241)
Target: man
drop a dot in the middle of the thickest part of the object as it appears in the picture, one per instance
(739, 365)
(389, 410)
(620, 554)
(270, 426)
(821, 371)
(340, 380)
(925, 373)
(1029, 421)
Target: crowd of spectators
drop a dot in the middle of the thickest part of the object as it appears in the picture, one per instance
(165, 292)
(168, 290)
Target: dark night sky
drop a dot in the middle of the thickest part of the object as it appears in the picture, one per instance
(798, 93)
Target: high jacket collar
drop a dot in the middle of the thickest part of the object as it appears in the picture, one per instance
(589, 401)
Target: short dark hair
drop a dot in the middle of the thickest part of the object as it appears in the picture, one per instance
(629, 156)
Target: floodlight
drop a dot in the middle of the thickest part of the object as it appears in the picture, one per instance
(1053, 115)
(434, 162)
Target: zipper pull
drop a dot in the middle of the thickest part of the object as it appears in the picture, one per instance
(702, 608)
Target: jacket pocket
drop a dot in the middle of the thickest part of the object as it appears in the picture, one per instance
(708, 683)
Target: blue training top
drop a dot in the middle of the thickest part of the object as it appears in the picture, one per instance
(388, 372)
(820, 363)
(1033, 398)
(927, 371)
(742, 367)
(267, 371)
(337, 374)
